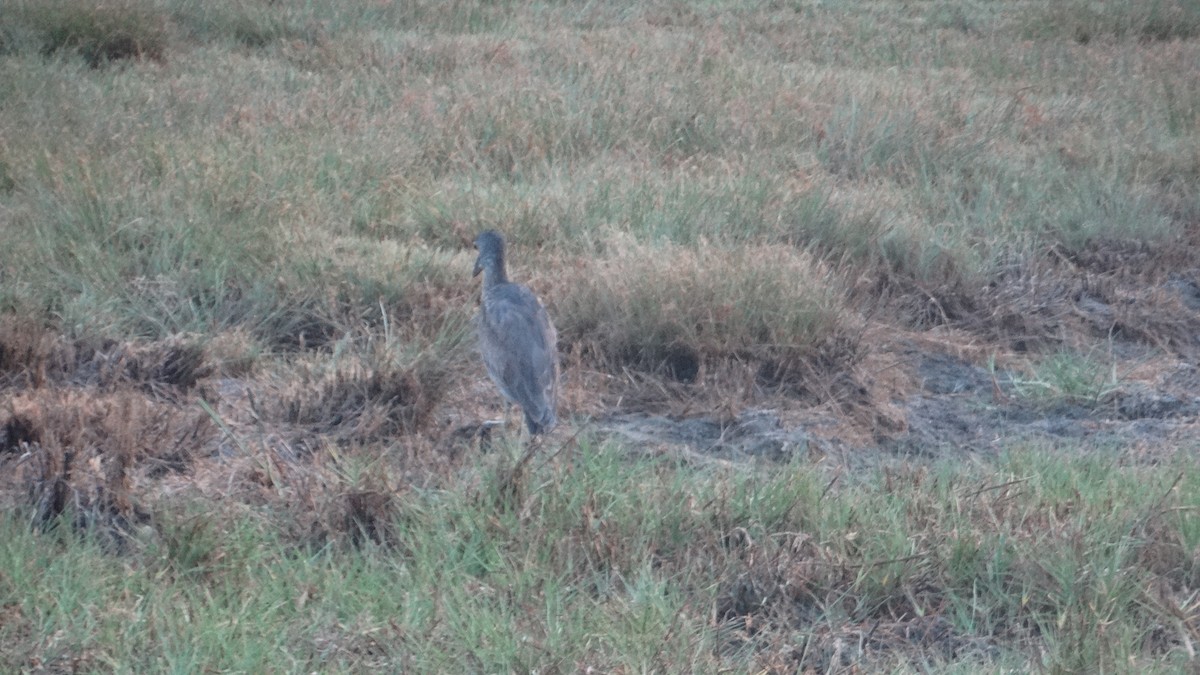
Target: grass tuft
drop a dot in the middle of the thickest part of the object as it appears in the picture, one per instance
(375, 392)
(84, 452)
(1084, 22)
(1068, 378)
(32, 355)
(672, 310)
(100, 33)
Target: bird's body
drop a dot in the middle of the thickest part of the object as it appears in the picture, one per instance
(516, 338)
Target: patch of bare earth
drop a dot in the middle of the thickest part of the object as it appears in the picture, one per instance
(940, 371)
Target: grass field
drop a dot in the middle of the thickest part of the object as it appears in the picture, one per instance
(240, 402)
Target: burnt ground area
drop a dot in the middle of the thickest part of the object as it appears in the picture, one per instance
(960, 408)
(1102, 353)
(104, 435)
(1099, 349)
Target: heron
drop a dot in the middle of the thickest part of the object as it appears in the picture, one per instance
(516, 337)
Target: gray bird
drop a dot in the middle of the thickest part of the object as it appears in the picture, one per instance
(518, 341)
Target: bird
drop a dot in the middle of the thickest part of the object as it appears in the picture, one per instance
(517, 338)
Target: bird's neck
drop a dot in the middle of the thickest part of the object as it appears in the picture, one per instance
(493, 274)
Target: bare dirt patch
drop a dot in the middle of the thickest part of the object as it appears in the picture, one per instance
(969, 382)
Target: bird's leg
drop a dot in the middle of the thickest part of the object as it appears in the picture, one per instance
(509, 419)
(532, 444)
(506, 419)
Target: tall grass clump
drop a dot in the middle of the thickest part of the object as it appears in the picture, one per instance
(246, 24)
(1068, 378)
(866, 139)
(670, 309)
(99, 32)
(932, 196)
(113, 255)
(1084, 22)
(373, 388)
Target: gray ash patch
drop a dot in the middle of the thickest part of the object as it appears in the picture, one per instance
(960, 408)
(945, 374)
(754, 434)
(940, 425)
(1188, 290)
(1144, 403)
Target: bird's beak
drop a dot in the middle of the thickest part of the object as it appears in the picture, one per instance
(478, 268)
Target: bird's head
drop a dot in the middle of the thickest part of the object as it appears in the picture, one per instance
(490, 245)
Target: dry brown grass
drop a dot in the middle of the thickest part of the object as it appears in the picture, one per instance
(360, 400)
(100, 435)
(91, 458)
(82, 420)
(33, 355)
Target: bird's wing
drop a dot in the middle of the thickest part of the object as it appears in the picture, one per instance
(520, 344)
(548, 377)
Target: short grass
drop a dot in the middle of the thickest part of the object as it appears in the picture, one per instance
(1068, 378)
(617, 564)
(235, 354)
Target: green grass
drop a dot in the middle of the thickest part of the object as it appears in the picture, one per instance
(644, 565)
(1085, 22)
(99, 34)
(468, 117)
(1068, 378)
